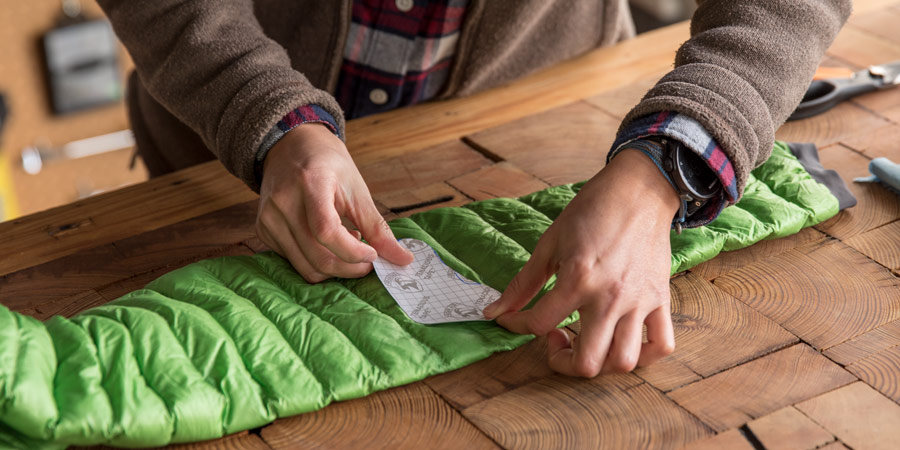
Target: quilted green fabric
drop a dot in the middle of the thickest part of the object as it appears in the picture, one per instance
(229, 344)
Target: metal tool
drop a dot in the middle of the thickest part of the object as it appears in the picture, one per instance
(823, 95)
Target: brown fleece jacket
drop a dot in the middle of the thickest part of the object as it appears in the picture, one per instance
(219, 75)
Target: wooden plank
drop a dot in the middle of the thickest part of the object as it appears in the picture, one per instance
(862, 47)
(493, 376)
(138, 281)
(857, 415)
(836, 445)
(825, 293)
(169, 199)
(876, 205)
(607, 412)
(563, 145)
(881, 370)
(789, 429)
(62, 306)
(431, 165)
(410, 201)
(866, 344)
(410, 416)
(882, 141)
(831, 126)
(96, 268)
(237, 441)
(726, 262)
(618, 102)
(739, 395)
(714, 331)
(499, 180)
(729, 440)
(668, 373)
(880, 244)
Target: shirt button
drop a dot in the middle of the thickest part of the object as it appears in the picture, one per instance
(405, 5)
(378, 96)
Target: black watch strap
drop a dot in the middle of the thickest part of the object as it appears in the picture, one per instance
(693, 181)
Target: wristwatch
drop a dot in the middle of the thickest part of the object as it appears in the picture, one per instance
(693, 181)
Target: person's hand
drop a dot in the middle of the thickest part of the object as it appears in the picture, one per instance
(610, 251)
(314, 207)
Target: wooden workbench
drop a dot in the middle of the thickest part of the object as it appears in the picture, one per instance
(792, 343)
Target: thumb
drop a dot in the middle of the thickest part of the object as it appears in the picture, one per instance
(523, 287)
(378, 234)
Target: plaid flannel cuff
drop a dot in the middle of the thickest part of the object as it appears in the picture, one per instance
(695, 137)
(299, 116)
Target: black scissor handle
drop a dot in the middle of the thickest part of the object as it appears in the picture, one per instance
(823, 95)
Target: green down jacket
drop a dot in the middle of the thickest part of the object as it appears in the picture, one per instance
(229, 344)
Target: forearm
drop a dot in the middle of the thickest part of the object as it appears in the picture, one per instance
(210, 64)
(744, 70)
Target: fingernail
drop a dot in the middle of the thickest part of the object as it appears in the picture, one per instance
(372, 258)
(489, 310)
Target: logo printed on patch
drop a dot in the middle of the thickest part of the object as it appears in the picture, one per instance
(429, 291)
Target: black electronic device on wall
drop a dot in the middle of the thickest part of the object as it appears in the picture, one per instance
(82, 64)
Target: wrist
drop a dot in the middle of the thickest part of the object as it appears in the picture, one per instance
(642, 184)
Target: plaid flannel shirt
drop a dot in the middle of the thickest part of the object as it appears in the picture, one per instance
(398, 53)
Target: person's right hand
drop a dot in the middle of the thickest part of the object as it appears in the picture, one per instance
(310, 189)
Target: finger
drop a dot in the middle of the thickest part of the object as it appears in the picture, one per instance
(625, 348)
(378, 233)
(524, 286)
(325, 226)
(660, 336)
(318, 256)
(290, 251)
(585, 357)
(545, 316)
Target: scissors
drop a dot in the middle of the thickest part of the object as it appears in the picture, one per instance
(824, 94)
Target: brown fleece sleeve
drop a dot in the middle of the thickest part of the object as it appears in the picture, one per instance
(210, 64)
(745, 69)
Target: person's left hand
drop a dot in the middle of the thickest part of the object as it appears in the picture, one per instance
(610, 250)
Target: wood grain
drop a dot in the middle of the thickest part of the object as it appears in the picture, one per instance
(714, 331)
(789, 429)
(881, 370)
(862, 47)
(499, 180)
(172, 246)
(608, 412)
(825, 293)
(172, 198)
(729, 440)
(668, 373)
(882, 141)
(500, 373)
(881, 244)
(618, 102)
(869, 343)
(417, 168)
(726, 262)
(881, 23)
(739, 395)
(405, 202)
(410, 417)
(237, 441)
(831, 126)
(876, 205)
(563, 145)
(857, 415)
